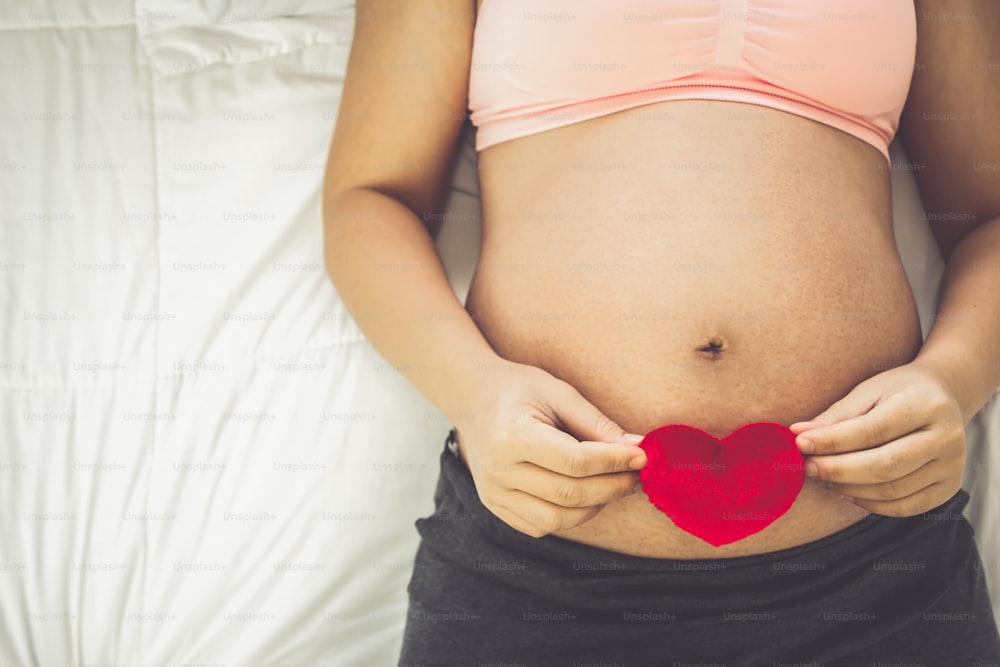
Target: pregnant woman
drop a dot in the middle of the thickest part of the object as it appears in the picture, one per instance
(686, 220)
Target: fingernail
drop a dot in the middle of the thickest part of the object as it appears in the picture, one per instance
(632, 438)
(849, 499)
(637, 462)
(812, 470)
(805, 446)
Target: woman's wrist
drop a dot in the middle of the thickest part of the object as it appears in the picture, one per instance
(965, 377)
(462, 378)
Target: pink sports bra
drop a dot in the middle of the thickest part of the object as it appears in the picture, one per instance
(542, 64)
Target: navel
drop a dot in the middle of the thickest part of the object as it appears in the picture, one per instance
(712, 349)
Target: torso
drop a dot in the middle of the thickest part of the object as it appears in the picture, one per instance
(615, 249)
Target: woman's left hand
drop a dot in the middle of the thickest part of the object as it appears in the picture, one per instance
(895, 445)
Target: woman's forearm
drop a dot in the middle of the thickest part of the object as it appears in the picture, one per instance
(963, 346)
(386, 269)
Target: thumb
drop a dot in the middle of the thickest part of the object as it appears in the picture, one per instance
(585, 422)
(858, 401)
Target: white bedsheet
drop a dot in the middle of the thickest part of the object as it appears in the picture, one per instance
(202, 461)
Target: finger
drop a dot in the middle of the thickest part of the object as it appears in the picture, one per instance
(561, 453)
(585, 421)
(857, 402)
(906, 485)
(571, 491)
(542, 517)
(885, 422)
(798, 427)
(515, 521)
(889, 462)
(922, 501)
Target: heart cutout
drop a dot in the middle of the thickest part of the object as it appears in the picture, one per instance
(722, 490)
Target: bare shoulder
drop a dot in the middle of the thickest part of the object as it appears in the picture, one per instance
(404, 99)
(951, 122)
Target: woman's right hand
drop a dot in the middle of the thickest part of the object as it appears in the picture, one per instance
(543, 458)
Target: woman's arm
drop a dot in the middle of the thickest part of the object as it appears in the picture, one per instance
(951, 126)
(520, 429)
(399, 119)
(896, 443)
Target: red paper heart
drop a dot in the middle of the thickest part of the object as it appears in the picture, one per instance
(722, 490)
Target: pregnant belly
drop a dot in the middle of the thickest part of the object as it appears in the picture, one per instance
(672, 288)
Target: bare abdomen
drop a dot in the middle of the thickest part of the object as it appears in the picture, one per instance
(704, 263)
